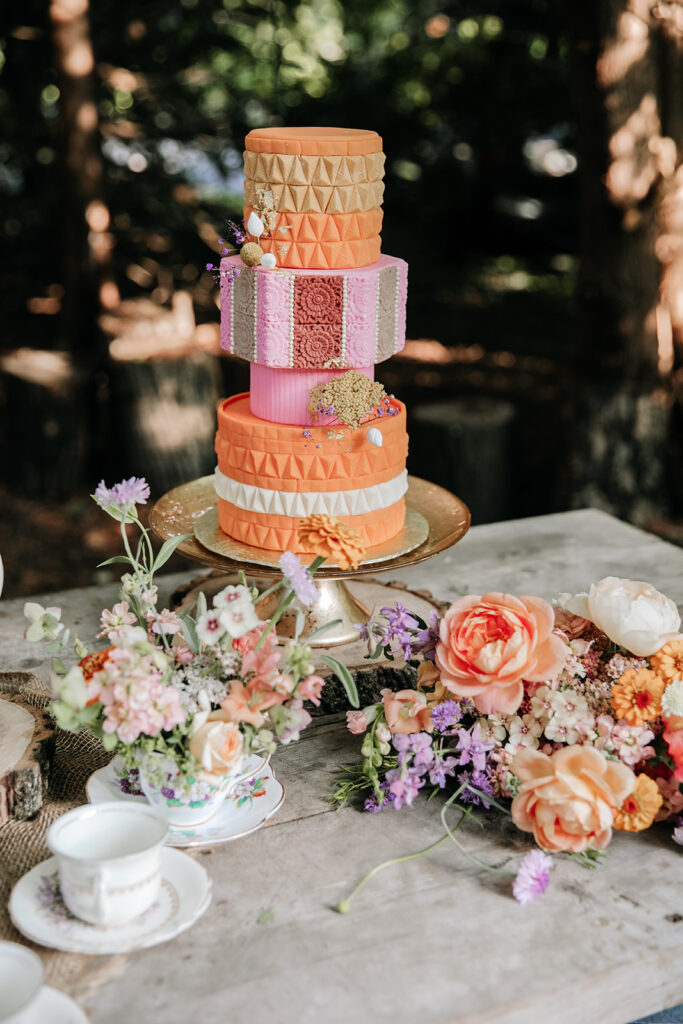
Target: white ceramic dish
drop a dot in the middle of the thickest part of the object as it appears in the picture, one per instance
(38, 911)
(255, 799)
(21, 978)
(55, 1007)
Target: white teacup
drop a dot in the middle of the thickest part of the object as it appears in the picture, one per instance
(109, 858)
(21, 978)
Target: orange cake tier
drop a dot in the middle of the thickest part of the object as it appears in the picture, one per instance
(271, 475)
(319, 192)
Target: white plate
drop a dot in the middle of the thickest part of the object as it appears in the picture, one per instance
(37, 909)
(255, 799)
(55, 1007)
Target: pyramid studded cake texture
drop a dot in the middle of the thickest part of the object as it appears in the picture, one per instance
(332, 303)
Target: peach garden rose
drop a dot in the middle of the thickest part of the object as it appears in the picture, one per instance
(218, 744)
(488, 645)
(569, 799)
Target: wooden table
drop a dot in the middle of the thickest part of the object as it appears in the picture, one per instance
(433, 940)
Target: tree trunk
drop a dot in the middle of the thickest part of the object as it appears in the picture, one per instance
(622, 388)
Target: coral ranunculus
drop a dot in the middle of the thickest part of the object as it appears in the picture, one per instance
(407, 711)
(569, 800)
(489, 644)
(673, 736)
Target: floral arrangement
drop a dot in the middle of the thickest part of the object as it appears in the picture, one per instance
(568, 718)
(183, 698)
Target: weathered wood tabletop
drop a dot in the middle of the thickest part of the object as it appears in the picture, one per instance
(434, 940)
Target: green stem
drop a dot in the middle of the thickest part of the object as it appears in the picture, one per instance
(281, 608)
(143, 623)
(470, 856)
(344, 906)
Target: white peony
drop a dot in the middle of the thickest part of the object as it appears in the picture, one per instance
(632, 613)
(672, 699)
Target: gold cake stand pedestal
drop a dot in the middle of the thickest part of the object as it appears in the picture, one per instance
(435, 520)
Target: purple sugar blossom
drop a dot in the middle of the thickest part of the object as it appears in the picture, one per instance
(446, 714)
(473, 749)
(299, 578)
(134, 491)
(532, 877)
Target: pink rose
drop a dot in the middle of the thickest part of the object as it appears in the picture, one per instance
(488, 645)
(407, 711)
(310, 689)
(356, 722)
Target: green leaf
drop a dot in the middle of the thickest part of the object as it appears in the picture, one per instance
(345, 678)
(58, 667)
(116, 560)
(167, 549)
(89, 714)
(201, 603)
(190, 632)
(300, 623)
(321, 630)
(266, 916)
(109, 740)
(377, 653)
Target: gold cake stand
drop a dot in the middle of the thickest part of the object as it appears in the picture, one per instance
(435, 520)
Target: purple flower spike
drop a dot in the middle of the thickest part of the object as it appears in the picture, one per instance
(533, 876)
(299, 578)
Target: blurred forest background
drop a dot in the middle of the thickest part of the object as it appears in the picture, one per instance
(534, 183)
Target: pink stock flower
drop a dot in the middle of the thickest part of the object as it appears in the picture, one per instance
(572, 625)
(264, 661)
(489, 645)
(632, 743)
(310, 688)
(356, 722)
(165, 621)
(135, 700)
(672, 795)
(114, 622)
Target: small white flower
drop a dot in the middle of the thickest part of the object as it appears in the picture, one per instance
(210, 627)
(230, 595)
(672, 698)
(568, 705)
(541, 703)
(524, 732)
(44, 623)
(382, 733)
(71, 688)
(239, 618)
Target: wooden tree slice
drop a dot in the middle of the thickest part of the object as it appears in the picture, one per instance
(27, 738)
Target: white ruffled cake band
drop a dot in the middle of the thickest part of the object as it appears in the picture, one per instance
(298, 504)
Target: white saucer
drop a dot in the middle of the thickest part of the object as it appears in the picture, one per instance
(255, 799)
(37, 909)
(54, 1006)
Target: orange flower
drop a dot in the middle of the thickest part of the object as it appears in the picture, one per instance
(668, 662)
(246, 703)
(429, 681)
(569, 800)
(640, 807)
(637, 697)
(324, 535)
(406, 711)
(91, 664)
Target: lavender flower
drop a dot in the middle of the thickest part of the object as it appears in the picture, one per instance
(442, 768)
(404, 785)
(373, 804)
(419, 745)
(473, 749)
(532, 877)
(426, 640)
(399, 630)
(134, 491)
(446, 714)
(472, 781)
(299, 578)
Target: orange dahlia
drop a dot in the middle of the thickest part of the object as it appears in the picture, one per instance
(668, 662)
(637, 697)
(331, 538)
(640, 807)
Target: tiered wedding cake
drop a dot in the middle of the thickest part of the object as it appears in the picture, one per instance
(313, 316)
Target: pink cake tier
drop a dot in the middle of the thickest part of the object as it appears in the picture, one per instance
(282, 396)
(315, 319)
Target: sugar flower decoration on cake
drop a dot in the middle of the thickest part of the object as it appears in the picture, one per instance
(318, 300)
(332, 539)
(351, 397)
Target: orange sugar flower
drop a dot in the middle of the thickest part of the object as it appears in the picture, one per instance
(637, 697)
(640, 807)
(668, 662)
(333, 539)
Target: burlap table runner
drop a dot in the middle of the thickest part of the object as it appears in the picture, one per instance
(22, 843)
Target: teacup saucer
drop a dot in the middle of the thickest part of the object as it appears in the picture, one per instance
(255, 798)
(52, 1005)
(38, 911)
